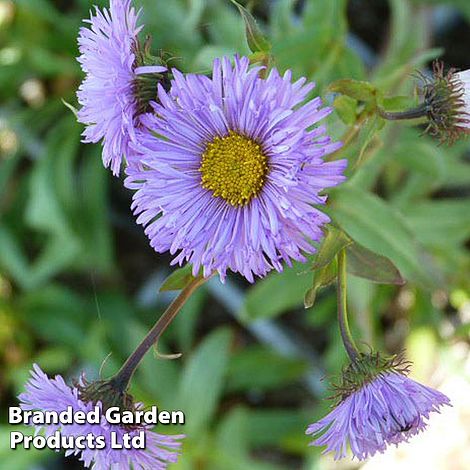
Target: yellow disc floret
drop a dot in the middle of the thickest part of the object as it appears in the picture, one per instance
(234, 168)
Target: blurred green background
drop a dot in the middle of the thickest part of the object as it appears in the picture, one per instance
(78, 279)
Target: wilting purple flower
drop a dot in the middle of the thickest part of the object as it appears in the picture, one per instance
(232, 183)
(108, 95)
(447, 103)
(387, 410)
(45, 394)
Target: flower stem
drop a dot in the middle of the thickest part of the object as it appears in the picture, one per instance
(123, 377)
(346, 336)
(414, 113)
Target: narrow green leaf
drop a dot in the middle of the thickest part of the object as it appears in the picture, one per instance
(421, 155)
(346, 108)
(178, 279)
(275, 294)
(56, 314)
(366, 136)
(398, 103)
(233, 446)
(357, 89)
(257, 368)
(369, 265)
(203, 380)
(185, 324)
(268, 427)
(323, 277)
(95, 230)
(231, 433)
(453, 216)
(257, 41)
(13, 260)
(332, 244)
(373, 223)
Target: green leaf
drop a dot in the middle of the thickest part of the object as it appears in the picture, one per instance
(205, 57)
(324, 312)
(357, 89)
(94, 228)
(12, 258)
(233, 444)
(56, 314)
(366, 136)
(185, 324)
(322, 277)
(45, 211)
(178, 279)
(369, 265)
(421, 155)
(315, 45)
(257, 41)
(282, 18)
(275, 294)
(57, 255)
(404, 52)
(332, 244)
(440, 223)
(231, 433)
(377, 226)
(346, 107)
(417, 167)
(397, 103)
(203, 380)
(256, 368)
(271, 426)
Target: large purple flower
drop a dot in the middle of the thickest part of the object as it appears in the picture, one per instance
(387, 410)
(45, 394)
(109, 57)
(231, 167)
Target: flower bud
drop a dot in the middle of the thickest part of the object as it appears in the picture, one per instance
(447, 101)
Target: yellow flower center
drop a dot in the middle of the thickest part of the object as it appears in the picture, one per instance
(234, 168)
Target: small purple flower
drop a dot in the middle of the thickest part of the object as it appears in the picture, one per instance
(109, 56)
(389, 409)
(231, 167)
(45, 394)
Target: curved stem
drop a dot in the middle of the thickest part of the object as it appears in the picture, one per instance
(124, 375)
(346, 336)
(414, 113)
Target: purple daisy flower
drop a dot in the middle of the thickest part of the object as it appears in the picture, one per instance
(387, 410)
(45, 394)
(231, 167)
(108, 95)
